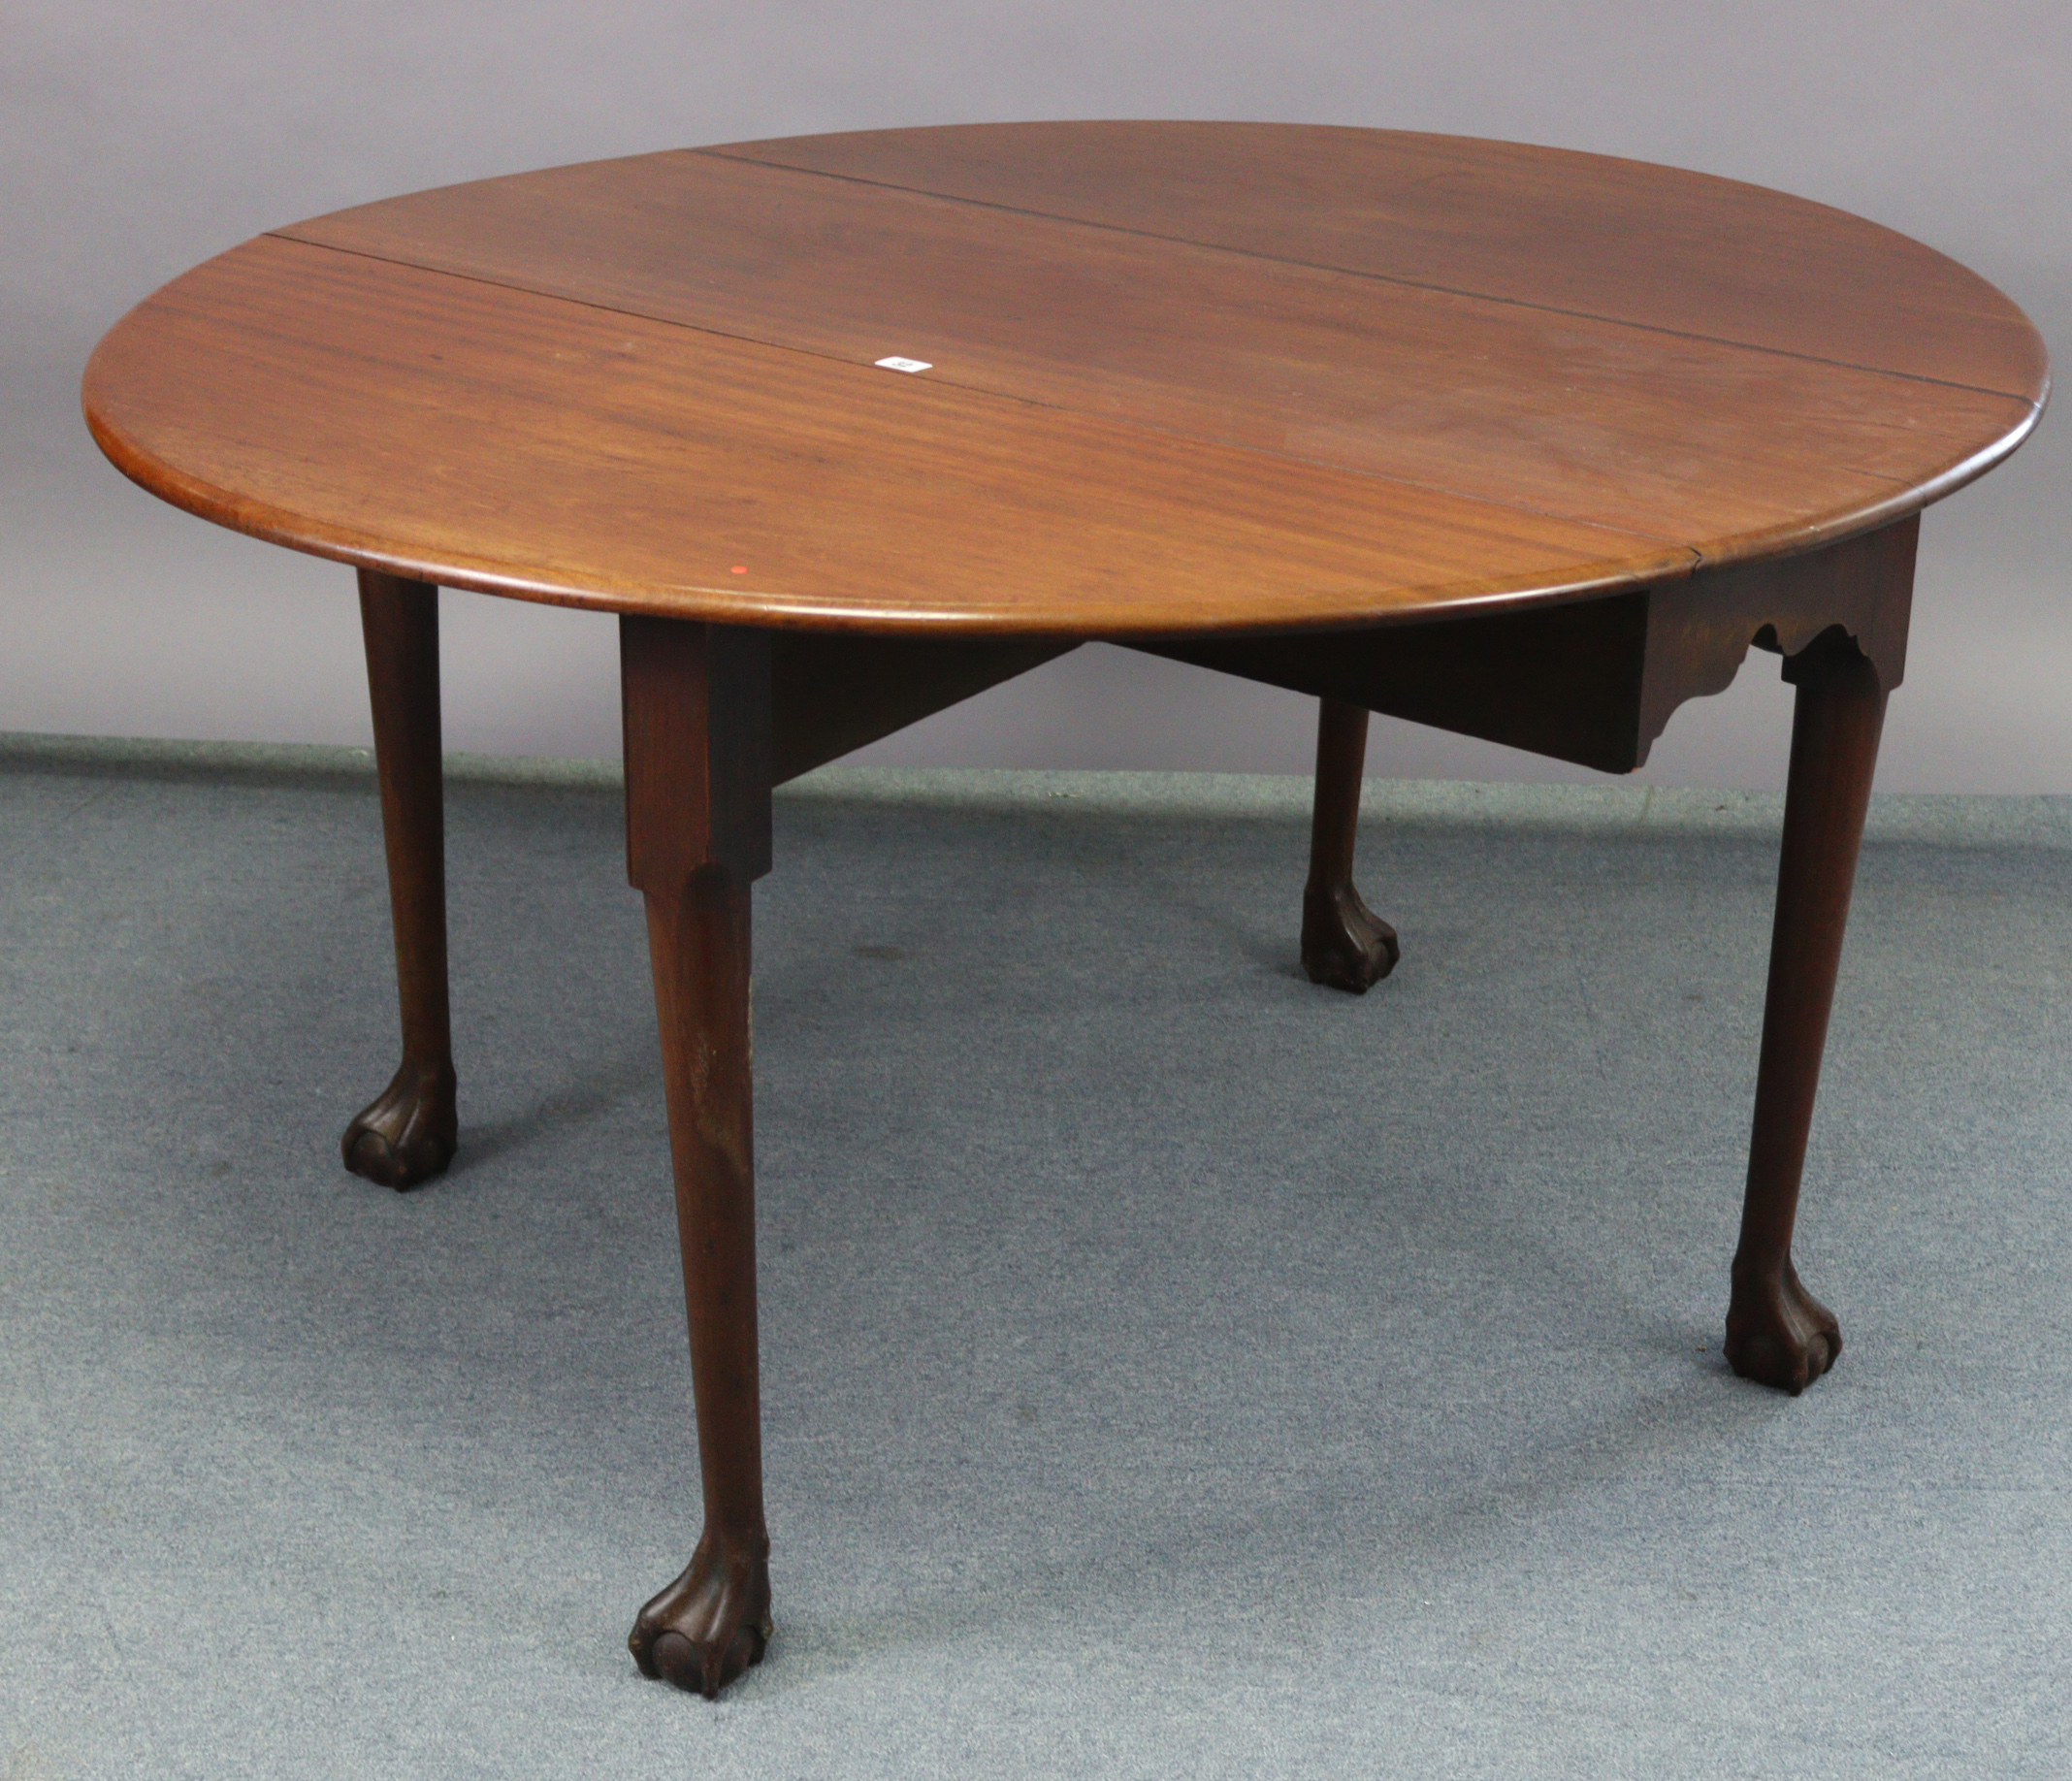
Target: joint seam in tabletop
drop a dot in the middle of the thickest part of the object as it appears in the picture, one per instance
(950, 381)
(1395, 278)
(980, 393)
(1807, 533)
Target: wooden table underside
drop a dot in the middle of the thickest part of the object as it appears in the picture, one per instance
(1525, 444)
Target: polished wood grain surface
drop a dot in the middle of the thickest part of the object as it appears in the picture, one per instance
(1649, 432)
(1182, 377)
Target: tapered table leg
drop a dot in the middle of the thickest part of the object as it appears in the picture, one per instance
(714, 1621)
(409, 1134)
(697, 835)
(1344, 943)
(1776, 1331)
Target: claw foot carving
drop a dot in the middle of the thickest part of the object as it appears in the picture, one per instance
(713, 1622)
(409, 1134)
(1779, 1334)
(1344, 943)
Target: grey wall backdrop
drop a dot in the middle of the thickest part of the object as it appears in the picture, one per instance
(139, 137)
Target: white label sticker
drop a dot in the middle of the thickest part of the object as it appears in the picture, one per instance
(903, 364)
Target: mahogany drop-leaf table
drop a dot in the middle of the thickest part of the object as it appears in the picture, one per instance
(1528, 444)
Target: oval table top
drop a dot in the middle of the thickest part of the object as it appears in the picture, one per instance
(1177, 378)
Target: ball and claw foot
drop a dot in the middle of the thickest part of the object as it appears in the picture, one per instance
(712, 1623)
(1779, 1334)
(409, 1134)
(1344, 943)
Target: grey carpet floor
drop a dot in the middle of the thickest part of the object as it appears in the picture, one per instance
(1171, 1369)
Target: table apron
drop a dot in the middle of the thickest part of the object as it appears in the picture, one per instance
(1593, 681)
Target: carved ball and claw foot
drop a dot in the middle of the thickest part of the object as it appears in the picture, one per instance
(1344, 943)
(712, 1623)
(1779, 1334)
(410, 1131)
